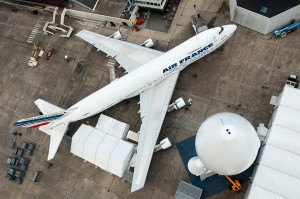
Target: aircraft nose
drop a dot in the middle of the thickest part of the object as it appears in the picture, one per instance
(230, 28)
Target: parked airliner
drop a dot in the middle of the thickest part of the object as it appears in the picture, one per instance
(151, 74)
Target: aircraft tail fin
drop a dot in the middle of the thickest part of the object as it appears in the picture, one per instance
(50, 113)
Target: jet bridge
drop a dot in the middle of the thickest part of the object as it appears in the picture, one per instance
(198, 23)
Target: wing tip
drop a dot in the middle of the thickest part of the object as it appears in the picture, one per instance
(50, 156)
(135, 187)
(56, 136)
(81, 32)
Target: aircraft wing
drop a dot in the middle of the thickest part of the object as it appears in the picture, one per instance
(129, 56)
(154, 103)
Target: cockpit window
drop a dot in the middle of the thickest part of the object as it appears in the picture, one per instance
(221, 30)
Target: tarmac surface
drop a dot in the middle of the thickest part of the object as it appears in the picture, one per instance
(240, 77)
(112, 8)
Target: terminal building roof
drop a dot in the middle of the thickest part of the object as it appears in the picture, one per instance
(273, 7)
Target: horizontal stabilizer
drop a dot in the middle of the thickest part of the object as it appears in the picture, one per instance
(56, 135)
(47, 108)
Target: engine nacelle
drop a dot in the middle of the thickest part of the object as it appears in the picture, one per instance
(148, 43)
(164, 144)
(179, 103)
(117, 35)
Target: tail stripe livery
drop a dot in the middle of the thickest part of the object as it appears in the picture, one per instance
(35, 122)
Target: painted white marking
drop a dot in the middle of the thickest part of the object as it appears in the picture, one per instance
(35, 30)
(111, 63)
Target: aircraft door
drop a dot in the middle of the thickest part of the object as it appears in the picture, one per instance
(215, 40)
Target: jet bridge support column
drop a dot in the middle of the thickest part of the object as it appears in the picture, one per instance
(50, 27)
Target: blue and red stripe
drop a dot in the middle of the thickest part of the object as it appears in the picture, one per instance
(38, 121)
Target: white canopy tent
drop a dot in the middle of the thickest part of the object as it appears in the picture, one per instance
(91, 145)
(284, 139)
(258, 192)
(289, 97)
(277, 182)
(277, 174)
(103, 146)
(286, 117)
(279, 159)
(79, 138)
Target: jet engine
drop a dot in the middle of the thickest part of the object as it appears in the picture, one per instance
(148, 43)
(117, 35)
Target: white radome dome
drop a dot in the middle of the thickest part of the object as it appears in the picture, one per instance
(196, 167)
(227, 143)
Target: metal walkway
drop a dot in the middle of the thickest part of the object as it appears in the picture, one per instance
(91, 4)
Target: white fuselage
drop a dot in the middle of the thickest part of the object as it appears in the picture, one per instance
(149, 74)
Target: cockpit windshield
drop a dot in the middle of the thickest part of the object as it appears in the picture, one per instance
(221, 30)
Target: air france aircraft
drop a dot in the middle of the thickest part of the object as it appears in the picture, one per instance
(151, 74)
